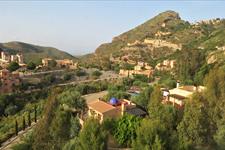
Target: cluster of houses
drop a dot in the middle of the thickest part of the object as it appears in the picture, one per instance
(6, 58)
(145, 69)
(63, 63)
(156, 43)
(162, 43)
(9, 81)
(115, 108)
(141, 68)
(166, 65)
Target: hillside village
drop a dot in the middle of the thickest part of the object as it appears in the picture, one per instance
(13, 69)
(157, 86)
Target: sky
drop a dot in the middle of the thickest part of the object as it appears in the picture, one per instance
(79, 27)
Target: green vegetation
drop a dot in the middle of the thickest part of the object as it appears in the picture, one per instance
(197, 42)
(52, 63)
(31, 66)
(150, 135)
(13, 66)
(200, 125)
(92, 136)
(96, 74)
(67, 76)
(125, 129)
(8, 125)
(81, 73)
(57, 119)
(143, 98)
(117, 91)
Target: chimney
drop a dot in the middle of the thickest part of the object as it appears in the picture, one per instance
(178, 84)
(123, 108)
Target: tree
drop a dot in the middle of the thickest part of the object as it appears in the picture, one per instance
(193, 129)
(155, 106)
(67, 76)
(13, 66)
(72, 99)
(189, 62)
(72, 144)
(140, 77)
(75, 127)
(127, 66)
(43, 138)
(125, 130)
(200, 75)
(215, 95)
(16, 127)
(49, 79)
(60, 128)
(143, 98)
(151, 134)
(117, 91)
(11, 109)
(24, 123)
(92, 136)
(80, 73)
(31, 66)
(57, 119)
(29, 119)
(127, 81)
(35, 113)
(96, 74)
(52, 63)
(215, 98)
(220, 137)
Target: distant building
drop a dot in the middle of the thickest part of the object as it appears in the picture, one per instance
(162, 43)
(141, 68)
(166, 65)
(46, 61)
(178, 95)
(6, 58)
(67, 63)
(8, 81)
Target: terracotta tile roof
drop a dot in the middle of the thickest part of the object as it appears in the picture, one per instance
(101, 106)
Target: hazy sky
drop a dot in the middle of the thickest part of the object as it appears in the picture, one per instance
(79, 27)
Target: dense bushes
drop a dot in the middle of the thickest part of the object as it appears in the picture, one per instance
(13, 66)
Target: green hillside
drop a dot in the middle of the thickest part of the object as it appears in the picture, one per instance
(168, 27)
(33, 52)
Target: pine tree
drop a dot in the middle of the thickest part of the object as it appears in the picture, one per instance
(35, 113)
(193, 129)
(151, 134)
(29, 119)
(155, 106)
(92, 136)
(16, 127)
(24, 123)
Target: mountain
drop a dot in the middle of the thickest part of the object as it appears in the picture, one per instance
(33, 52)
(160, 38)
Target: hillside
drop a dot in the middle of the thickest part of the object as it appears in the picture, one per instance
(160, 37)
(33, 52)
